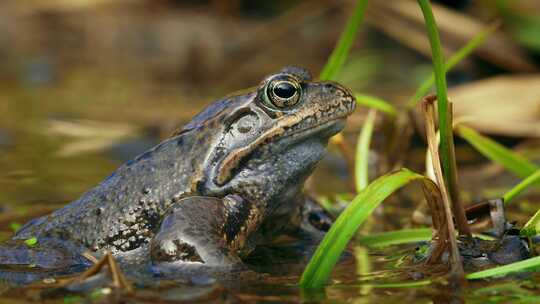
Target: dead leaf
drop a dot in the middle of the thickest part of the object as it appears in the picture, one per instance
(88, 135)
(504, 105)
(403, 21)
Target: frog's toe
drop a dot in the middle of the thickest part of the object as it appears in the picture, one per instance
(178, 248)
(316, 221)
(21, 263)
(45, 255)
(169, 250)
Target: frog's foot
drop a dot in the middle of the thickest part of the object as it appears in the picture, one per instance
(25, 261)
(205, 231)
(315, 220)
(107, 261)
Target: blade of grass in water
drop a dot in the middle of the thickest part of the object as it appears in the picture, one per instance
(522, 186)
(363, 268)
(448, 159)
(327, 254)
(525, 265)
(339, 55)
(456, 58)
(397, 237)
(498, 153)
(375, 103)
(531, 228)
(362, 152)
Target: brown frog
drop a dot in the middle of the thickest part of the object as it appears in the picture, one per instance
(230, 178)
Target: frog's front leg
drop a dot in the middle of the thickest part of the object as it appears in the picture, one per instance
(205, 230)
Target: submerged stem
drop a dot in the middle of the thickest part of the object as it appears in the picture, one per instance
(428, 108)
(447, 155)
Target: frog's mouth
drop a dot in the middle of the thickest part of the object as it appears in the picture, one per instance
(287, 137)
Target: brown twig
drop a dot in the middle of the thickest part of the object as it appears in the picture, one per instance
(89, 257)
(119, 281)
(455, 260)
(453, 188)
(438, 218)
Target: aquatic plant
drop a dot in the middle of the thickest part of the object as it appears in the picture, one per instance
(371, 195)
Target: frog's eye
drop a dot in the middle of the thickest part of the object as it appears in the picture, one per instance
(282, 92)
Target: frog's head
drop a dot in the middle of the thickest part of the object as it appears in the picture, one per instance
(271, 135)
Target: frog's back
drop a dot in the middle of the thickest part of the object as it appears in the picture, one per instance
(230, 172)
(124, 210)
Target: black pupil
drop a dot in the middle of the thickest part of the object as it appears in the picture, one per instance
(284, 90)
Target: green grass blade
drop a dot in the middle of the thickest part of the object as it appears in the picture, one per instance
(522, 186)
(363, 268)
(397, 237)
(456, 58)
(445, 125)
(531, 228)
(361, 166)
(376, 103)
(327, 254)
(525, 265)
(498, 153)
(340, 52)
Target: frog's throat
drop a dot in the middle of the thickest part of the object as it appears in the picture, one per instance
(228, 165)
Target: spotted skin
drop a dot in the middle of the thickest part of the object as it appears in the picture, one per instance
(207, 194)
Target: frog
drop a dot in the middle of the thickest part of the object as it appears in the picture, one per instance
(229, 179)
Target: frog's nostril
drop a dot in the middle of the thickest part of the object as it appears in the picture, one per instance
(338, 88)
(346, 91)
(331, 87)
(340, 95)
